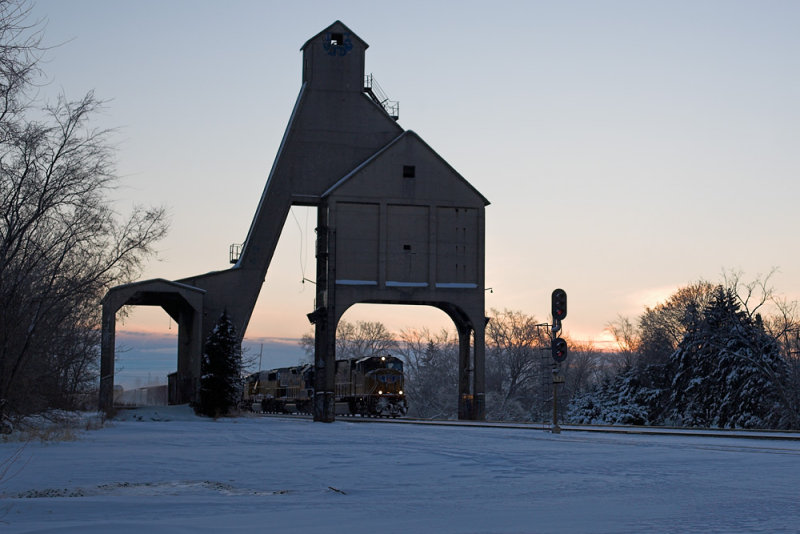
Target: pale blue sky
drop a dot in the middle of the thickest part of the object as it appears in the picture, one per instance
(627, 147)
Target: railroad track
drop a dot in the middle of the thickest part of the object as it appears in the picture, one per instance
(545, 427)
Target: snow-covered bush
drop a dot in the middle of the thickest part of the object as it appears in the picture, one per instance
(633, 397)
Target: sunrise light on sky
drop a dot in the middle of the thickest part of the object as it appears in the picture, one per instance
(627, 147)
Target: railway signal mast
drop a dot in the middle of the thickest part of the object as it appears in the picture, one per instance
(558, 347)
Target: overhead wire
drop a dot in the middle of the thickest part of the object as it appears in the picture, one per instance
(303, 249)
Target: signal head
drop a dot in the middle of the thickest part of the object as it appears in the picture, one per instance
(559, 350)
(559, 304)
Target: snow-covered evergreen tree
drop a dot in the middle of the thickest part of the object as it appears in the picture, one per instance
(727, 370)
(220, 383)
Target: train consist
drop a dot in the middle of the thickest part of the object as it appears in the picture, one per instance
(370, 387)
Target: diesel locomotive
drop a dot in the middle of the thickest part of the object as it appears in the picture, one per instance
(370, 387)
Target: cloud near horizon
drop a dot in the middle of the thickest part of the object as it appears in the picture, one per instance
(145, 357)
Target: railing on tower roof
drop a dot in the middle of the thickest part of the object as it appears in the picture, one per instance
(235, 252)
(371, 87)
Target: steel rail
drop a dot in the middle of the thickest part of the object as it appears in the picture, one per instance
(545, 427)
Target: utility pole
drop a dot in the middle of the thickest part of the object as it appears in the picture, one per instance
(557, 378)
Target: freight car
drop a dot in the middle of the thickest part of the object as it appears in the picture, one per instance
(370, 387)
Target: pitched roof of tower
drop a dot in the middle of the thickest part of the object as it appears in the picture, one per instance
(338, 27)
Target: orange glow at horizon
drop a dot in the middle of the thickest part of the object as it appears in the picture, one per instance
(152, 323)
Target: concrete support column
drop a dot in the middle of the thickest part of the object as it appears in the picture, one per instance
(190, 350)
(324, 319)
(325, 369)
(479, 372)
(107, 342)
(464, 368)
(195, 351)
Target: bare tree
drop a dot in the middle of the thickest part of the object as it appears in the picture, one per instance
(62, 245)
(20, 50)
(355, 340)
(515, 364)
(431, 369)
(778, 317)
(784, 326)
(362, 339)
(753, 295)
(582, 369)
(626, 337)
(662, 327)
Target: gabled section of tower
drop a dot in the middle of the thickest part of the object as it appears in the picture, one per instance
(408, 169)
(334, 59)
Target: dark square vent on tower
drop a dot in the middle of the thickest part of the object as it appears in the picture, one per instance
(337, 39)
(409, 171)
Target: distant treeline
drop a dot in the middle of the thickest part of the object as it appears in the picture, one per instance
(711, 355)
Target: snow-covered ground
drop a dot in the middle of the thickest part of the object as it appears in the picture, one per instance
(182, 474)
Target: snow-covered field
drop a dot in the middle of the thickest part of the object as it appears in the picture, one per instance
(184, 474)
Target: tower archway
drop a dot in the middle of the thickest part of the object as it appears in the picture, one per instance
(184, 304)
(466, 387)
(146, 353)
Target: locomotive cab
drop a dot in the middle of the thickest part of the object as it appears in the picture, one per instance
(383, 375)
(381, 386)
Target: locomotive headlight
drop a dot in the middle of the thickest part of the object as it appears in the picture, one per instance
(401, 392)
(380, 392)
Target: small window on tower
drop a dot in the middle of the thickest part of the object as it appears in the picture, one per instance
(409, 171)
(406, 247)
(336, 39)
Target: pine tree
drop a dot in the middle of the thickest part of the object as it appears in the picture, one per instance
(220, 383)
(727, 369)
